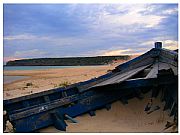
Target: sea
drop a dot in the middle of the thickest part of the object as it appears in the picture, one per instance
(38, 67)
(10, 79)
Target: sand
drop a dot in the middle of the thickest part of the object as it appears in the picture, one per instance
(121, 118)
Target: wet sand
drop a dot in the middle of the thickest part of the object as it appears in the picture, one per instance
(10, 79)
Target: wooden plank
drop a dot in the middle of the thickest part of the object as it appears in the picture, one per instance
(157, 66)
(43, 108)
(164, 66)
(121, 77)
(175, 69)
(154, 71)
(172, 109)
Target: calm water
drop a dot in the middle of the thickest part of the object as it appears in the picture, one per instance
(9, 79)
(38, 67)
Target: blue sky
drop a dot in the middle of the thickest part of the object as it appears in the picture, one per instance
(64, 30)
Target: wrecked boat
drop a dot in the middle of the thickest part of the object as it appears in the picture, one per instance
(155, 71)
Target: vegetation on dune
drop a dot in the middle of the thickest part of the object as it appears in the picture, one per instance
(72, 61)
(29, 84)
(63, 84)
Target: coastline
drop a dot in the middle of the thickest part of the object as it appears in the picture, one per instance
(12, 68)
(46, 79)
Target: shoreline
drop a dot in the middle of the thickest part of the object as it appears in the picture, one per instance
(46, 79)
(22, 68)
(7, 79)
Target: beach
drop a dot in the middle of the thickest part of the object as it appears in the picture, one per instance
(42, 80)
(121, 118)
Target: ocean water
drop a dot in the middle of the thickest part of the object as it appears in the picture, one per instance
(9, 79)
(39, 67)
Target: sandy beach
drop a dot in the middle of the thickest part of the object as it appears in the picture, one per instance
(121, 118)
(42, 80)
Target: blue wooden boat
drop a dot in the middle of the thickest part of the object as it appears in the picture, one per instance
(155, 70)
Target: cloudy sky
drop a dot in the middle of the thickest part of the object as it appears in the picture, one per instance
(63, 30)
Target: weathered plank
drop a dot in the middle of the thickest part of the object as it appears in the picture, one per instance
(157, 66)
(121, 77)
(175, 69)
(154, 71)
(43, 108)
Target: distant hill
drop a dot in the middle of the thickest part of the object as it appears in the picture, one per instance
(71, 61)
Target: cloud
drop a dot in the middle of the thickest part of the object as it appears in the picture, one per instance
(29, 53)
(25, 37)
(6, 59)
(117, 52)
(161, 9)
(168, 44)
(60, 30)
(171, 44)
(170, 11)
(124, 17)
(52, 39)
(131, 17)
(121, 51)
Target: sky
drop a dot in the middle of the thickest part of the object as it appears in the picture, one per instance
(67, 30)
